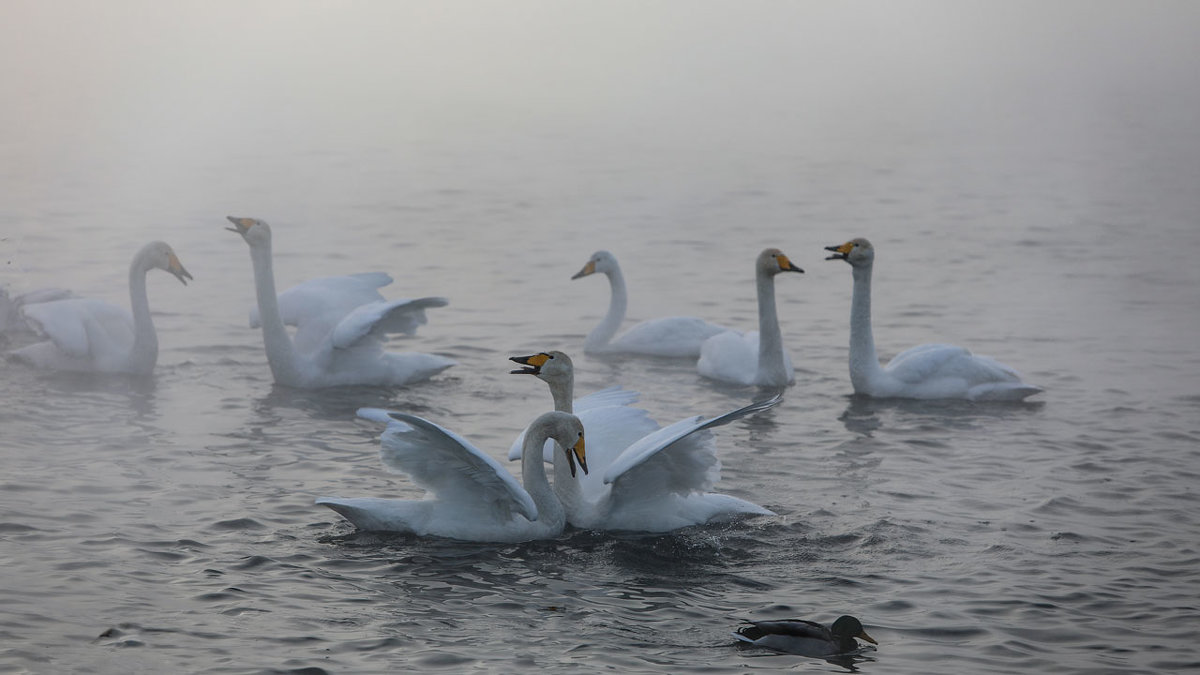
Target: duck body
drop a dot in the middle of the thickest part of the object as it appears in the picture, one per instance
(753, 358)
(469, 495)
(806, 638)
(341, 324)
(928, 371)
(673, 336)
(644, 478)
(87, 335)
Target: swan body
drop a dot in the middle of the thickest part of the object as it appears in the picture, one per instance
(341, 324)
(754, 358)
(679, 336)
(11, 320)
(95, 336)
(807, 638)
(644, 478)
(469, 495)
(929, 371)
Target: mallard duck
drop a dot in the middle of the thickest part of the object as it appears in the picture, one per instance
(807, 638)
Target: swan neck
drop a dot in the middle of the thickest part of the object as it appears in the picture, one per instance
(563, 392)
(617, 304)
(864, 364)
(281, 353)
(144, 353)
(770, 337)
(533, 478)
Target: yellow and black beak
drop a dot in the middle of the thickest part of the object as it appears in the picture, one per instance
(576, 452)
(786, 265)
(175, 267)
(240, 225)
(863, 636)
(589, 268)
(534, 363)
(840, 252)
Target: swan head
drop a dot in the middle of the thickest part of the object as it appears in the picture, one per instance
(847, 626)
(159, 255)
(772, 261)
(601, 261)
(253, 230)
(567, 431)
(858, 252)
(552, 366)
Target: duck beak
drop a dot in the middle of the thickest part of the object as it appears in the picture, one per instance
(534, 363)
(241, 225)
(863, 636)
(175, 267)
(577, 453)
(589, 268)
(840, 252)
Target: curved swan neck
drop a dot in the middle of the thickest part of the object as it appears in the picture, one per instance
(533, 477)
(770, 337)
(864, 364)
(281, 353)
(144, 353)
(617, 304)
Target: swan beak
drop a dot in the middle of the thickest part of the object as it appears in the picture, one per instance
(589, 268)
(786, 265)
(535, 363)
(863, 636)
(241, 225)
(840, 252)
(577, 453)
(175, 267)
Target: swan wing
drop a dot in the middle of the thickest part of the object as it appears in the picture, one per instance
(315, 306)
(447, 465)
(81, 327)
(377, 319)
(924, 361)
(730, 357)
(614, 396)
(669, 336)
(680, 458)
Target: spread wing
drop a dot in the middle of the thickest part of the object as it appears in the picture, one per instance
(614, 396)
(378, 319)
(680, 458)
(445, 464)
(316, 306)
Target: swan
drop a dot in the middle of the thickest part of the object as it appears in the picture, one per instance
(753, 357)
(668, 336)
(645, 479)
(341, 324)
(807, 638)
(930, 371)
(469, 495)
(95, 336)
(11, 320)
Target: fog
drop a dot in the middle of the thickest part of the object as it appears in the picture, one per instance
(145, 93)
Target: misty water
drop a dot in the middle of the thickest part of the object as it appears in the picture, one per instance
(1030, 191)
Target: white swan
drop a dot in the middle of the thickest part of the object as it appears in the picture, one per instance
(668, 336)
(11, 320)
(469, 495)
(754, 357)
(96, 336)
(341, 324)
(930, 371)
(644, 478)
